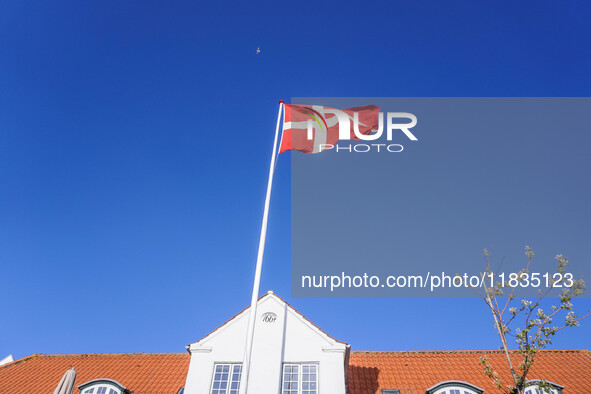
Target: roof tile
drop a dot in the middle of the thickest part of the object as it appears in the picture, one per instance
(415, 371)
(142, 373)
(411, 372)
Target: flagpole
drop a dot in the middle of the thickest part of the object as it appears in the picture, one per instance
(257, 276)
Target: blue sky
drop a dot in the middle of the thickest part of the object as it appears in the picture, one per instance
(134, 146)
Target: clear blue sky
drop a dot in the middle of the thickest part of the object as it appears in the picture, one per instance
(134, 145)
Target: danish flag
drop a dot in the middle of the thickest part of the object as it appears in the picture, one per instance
(314, 128)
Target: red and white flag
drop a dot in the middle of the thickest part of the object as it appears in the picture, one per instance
(314, 128)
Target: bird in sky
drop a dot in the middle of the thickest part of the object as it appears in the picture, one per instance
(258, 50)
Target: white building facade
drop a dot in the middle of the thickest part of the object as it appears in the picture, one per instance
(290, 355)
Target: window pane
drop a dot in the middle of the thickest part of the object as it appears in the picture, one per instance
(299, 379)
(226, 379)
(290, 378)
(312, 378)
(236, 374)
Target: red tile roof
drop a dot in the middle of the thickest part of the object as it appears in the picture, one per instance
(142, 373)
(415, 371)
(369, 372)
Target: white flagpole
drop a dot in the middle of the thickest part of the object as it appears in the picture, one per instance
(257, 276)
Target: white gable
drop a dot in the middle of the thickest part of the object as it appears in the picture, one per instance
(284, 336)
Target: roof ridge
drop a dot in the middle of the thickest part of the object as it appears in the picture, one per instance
(114, 354)
(41, 355)
(20, 360)
(471, 351)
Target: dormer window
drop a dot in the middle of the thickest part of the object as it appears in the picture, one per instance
(454, 387)
(102, 386)
(534, 388)
(103, 389)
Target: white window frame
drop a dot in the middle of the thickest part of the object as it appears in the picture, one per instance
(300, 372)
(535, 389)
(229, 381)
(447, 386)
(447, 390)
(95, 388)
